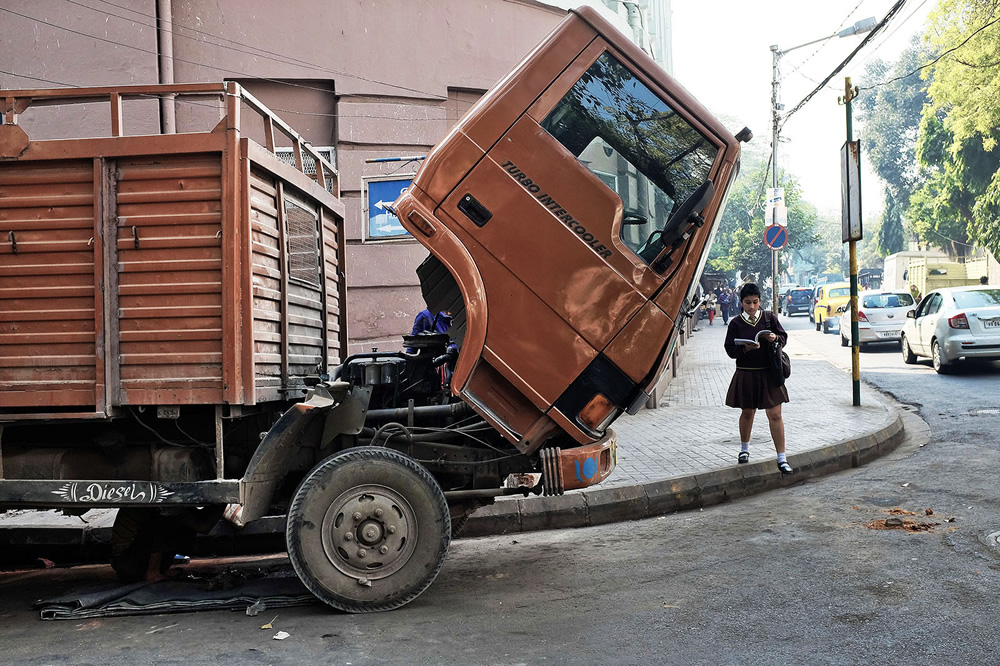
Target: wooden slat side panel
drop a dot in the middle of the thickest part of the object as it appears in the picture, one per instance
(289, 285)
(170, 297)
(336, 331)
(266, 286)
(305, 326)
(48, 353)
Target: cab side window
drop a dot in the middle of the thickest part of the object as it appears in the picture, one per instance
(637, 145)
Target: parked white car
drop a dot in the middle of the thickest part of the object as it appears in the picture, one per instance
(955, 323)
(881, 315)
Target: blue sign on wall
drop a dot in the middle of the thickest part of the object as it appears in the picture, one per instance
(381, 194)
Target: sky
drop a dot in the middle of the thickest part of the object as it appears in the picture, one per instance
(722, 55)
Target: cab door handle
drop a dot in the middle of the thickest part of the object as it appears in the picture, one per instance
(474, 210)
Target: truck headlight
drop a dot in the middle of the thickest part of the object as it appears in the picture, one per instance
(598, 413)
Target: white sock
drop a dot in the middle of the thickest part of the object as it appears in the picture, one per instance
(744, 447)
(781, 457)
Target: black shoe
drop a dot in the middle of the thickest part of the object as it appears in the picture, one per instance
(785, 468)
(743, 458)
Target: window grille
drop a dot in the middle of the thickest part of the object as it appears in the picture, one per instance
(303, 243)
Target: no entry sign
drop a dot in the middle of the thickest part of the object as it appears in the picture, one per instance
(775, 236)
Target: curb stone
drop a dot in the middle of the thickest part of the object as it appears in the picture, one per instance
(600, 506)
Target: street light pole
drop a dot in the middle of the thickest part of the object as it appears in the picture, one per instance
(775, 108)
(862, 26)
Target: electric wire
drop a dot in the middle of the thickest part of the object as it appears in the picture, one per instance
(868, 38)
(902, 22)
(936, 59)
(951, 240)
(223, 46)
(825, 42)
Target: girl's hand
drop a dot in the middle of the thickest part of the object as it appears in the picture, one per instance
(771, 336)
(748, 346)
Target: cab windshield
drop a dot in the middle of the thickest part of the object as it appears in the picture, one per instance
(637, 145)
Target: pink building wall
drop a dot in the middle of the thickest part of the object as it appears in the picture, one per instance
(372, 78)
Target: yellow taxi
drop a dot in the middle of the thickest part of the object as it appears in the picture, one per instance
(829, 297)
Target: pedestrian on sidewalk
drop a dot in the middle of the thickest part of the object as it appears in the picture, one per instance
(710, 307)
(752, 387)
(725, 300)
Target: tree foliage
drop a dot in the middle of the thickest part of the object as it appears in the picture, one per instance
(890, 116)
(890, 238)
(960, 130)
(739, 243)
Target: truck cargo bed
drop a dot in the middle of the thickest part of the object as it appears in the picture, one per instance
(194, 268)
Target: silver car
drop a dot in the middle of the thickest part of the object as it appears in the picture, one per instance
(881, 315)
(950, 324)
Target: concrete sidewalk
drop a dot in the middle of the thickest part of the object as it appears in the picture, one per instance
(680, 456)
(683, 455)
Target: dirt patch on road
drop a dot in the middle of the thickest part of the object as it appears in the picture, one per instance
(905, 524)
(895, 522)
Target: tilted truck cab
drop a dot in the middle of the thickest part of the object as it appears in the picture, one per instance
(573, 207)
(173, 324)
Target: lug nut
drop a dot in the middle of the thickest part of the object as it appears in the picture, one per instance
(357, 516)
(383, 549)
(362, 552)
(348, 536)
(391, 529)
(378, 513)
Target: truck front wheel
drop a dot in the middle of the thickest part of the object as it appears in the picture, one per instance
(368, 530)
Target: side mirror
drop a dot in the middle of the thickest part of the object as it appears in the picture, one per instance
(911, 314)
(633, 216)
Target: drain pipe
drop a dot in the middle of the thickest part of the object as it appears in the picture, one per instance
(165, 54)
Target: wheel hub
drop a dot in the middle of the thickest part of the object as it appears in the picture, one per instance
(369, 532)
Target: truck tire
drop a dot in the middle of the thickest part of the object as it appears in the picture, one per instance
(368, 530)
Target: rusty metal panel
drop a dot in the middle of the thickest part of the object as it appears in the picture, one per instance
(48, 352)
(169, 264)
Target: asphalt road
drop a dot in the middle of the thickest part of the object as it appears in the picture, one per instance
(810, 574)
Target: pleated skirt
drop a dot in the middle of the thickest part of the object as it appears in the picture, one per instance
(753, 389)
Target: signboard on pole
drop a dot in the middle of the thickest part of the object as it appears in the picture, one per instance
(775, 236)
(383, 223)
(776, 213)
(850, 190)
(775, 196)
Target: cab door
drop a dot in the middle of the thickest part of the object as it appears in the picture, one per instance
(569, 211)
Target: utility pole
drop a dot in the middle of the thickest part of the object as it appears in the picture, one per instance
(776, 106)
(862, 26)
(852, 233)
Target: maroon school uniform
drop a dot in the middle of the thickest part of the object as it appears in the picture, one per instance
(752, 387)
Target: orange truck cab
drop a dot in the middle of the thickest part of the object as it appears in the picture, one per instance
(573, 208)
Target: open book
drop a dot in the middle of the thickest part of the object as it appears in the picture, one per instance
(756, 338)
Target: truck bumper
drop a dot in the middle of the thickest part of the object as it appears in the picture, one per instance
(579, 467)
